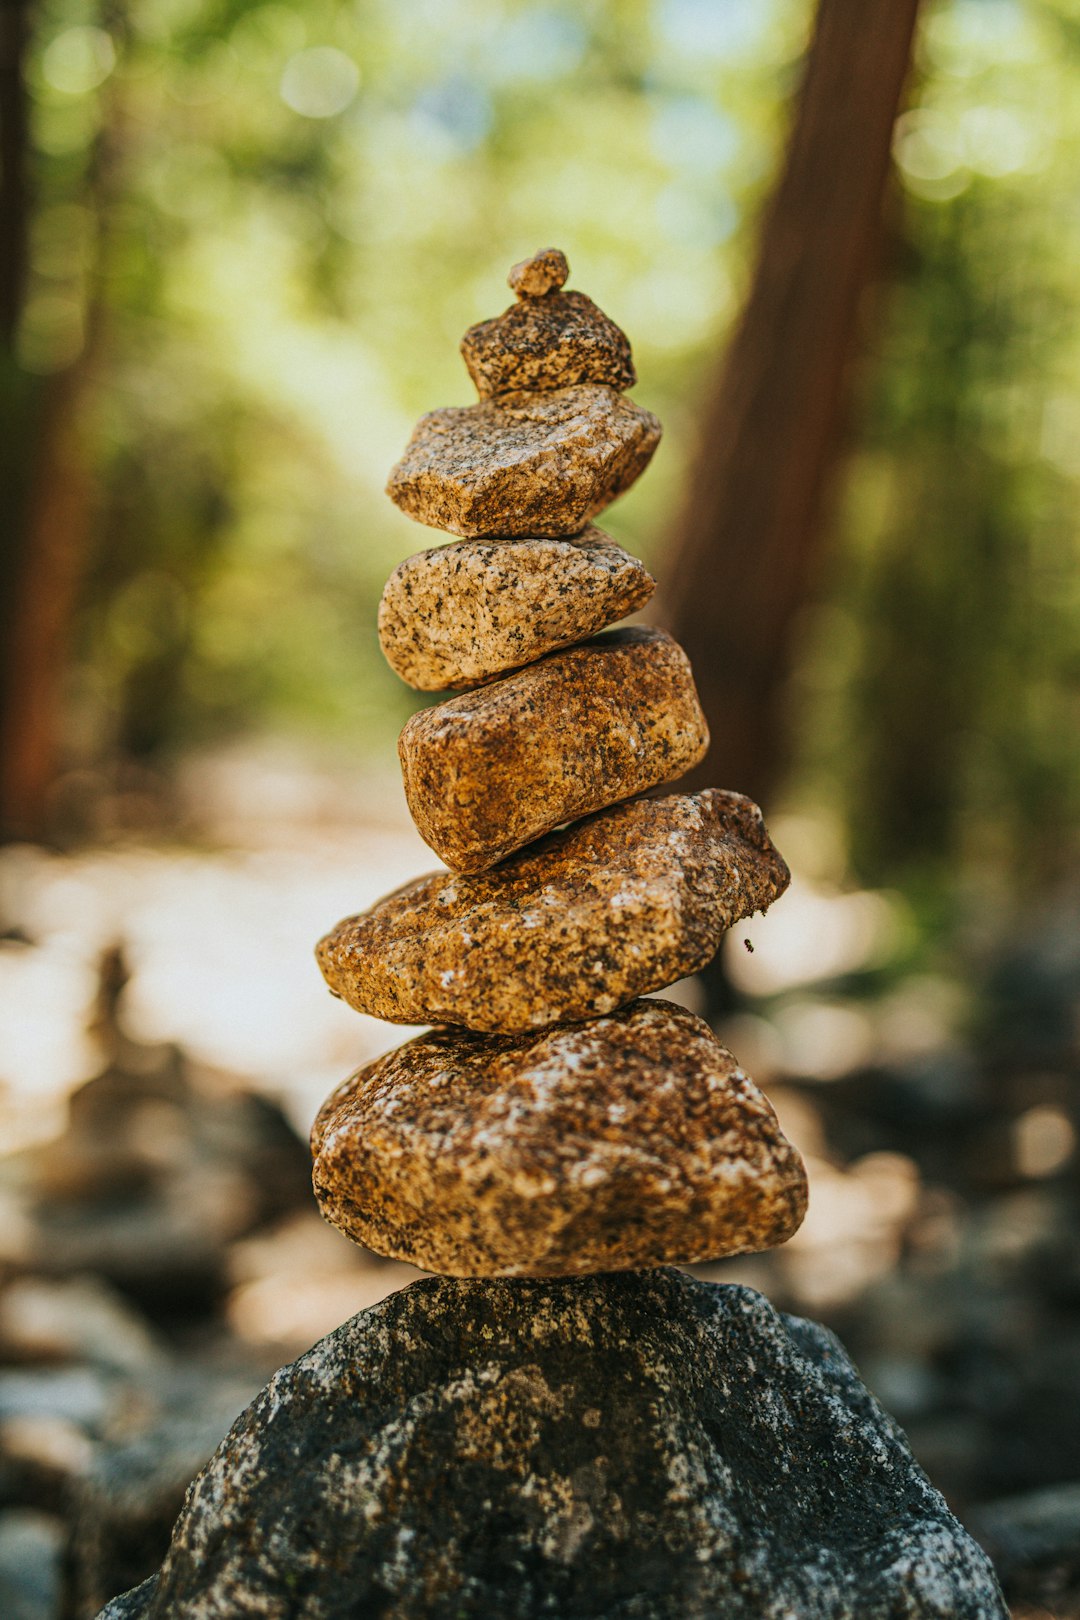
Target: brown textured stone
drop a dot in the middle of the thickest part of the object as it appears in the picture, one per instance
(545, 272)
(592, 916)
(553, 342)
(526, 464)
(487, 772)
(624, 1142)
(459, 614)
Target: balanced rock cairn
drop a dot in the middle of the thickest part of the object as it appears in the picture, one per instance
(603, 1435)
(554, 1123)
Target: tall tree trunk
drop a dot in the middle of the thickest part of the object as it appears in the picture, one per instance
(14, 184)
(48, 488)
(746, 541)
(18, 391)
(55, 533)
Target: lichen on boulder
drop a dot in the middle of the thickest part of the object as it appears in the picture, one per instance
(643, 1446)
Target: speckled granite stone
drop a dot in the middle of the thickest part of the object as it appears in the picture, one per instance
(544, 272)
(457, 615)
(527, 463)
(489, 771)
(549, 338)
(640, 1446)
(623, 1142)
(556, 341)
(572, 927)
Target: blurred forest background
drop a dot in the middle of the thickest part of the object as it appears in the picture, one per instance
(241, 243)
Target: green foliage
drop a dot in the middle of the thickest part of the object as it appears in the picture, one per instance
(290, 213)
(302, 208)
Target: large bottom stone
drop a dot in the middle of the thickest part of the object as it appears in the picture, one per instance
(642, 1446)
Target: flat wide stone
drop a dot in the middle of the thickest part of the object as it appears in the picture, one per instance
(457, 615)
(573, 927)
(490, 771)
(555, 341)
(640, 1446)
(629, 1141)
(527, 463)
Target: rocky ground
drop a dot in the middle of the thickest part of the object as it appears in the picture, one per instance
(161, 1252)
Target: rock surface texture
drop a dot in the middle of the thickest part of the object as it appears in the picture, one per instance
(637, 1447)
(459, 614)
(494, 769)
(539, 462)
(555, 341)
(544, 272)
(624, 1142)
(572, 927)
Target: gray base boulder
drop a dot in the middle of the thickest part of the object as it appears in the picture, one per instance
(638, 1445)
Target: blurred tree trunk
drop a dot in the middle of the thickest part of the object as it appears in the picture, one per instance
(47, 556)
(14, 140)
(45, 471)
(16, 388)
(744, 546)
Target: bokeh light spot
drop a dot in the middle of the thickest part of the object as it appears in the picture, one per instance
(455, 114)
(1045, 1140)
(320, 82)
(999, 141)
(930, 152)
(703, 28)
(78, 60)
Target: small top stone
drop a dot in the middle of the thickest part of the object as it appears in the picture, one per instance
(545, 272)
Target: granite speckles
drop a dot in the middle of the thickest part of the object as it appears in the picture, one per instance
(544, 272)
(627, 1141)
(641, 1446)
(554, 342)
(549, 338)
(458, 614)
(540, 463)
(570, 928)
(492, 770)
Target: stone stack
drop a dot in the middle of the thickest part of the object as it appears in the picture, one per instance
(554, 1123)
(627, 1441)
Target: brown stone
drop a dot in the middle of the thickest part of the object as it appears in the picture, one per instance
(553, 342)
(621, 1143)
(592, 916)
(545, 272)
(459, 614)
(489, 771)
(525, 464)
